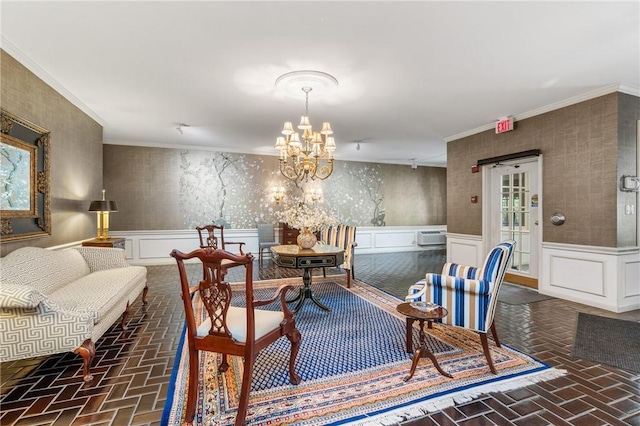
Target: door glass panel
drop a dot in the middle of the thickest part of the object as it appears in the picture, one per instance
(516, 195)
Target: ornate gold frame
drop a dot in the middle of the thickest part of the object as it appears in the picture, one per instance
(34, 221)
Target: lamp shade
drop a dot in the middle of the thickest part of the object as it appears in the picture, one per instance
(103, 206)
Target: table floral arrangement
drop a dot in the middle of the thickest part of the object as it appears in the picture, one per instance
(308, 218)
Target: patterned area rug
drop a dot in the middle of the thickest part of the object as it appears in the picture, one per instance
(352, 362)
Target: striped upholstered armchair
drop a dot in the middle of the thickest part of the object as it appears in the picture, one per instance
(468, 293)
(342, 236)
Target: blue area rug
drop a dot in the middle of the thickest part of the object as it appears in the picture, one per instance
(356, 335)
(353, 363)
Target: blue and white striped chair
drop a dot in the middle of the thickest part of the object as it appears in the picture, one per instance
(470, 294)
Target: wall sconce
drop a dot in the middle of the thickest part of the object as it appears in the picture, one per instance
(278, 193)
(102, 208)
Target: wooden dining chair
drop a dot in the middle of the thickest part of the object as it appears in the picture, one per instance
(231, 330)
(212, 236)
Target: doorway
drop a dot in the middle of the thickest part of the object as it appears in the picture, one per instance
(514, 193)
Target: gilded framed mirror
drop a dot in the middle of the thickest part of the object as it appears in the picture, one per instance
(25, 176)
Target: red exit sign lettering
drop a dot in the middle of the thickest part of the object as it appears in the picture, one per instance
(504, 125)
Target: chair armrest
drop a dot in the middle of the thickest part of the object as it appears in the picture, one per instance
(281, 292)
(416, 291)
(239, 245)
(457, 284)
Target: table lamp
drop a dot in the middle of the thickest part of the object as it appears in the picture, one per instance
(102, 208)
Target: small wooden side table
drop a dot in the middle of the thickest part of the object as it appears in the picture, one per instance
(414, 314)
(109, 242)
(292, 256)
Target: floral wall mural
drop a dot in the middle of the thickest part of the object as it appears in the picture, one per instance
(236, 190)
(218, 187)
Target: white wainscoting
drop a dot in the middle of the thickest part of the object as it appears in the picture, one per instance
(153, 247)
(607, 278)
(602, 277)
(465, 249)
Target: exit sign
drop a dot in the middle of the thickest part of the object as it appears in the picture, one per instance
(504, 125)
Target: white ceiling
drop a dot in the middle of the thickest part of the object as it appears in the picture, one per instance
(412, 75)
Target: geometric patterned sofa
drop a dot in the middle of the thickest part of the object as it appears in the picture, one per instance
(54, 301)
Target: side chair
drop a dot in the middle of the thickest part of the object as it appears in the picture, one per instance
(212, 236)
(230, 330)
(266, 238)
(342, 236)
(470, 294)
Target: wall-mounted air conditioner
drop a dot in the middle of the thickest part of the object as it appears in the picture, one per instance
(430, 238)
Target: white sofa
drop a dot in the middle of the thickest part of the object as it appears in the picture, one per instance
(54, 301)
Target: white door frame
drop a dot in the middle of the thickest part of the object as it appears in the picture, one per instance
(487, 207)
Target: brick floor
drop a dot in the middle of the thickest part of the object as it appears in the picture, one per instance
(132, 368)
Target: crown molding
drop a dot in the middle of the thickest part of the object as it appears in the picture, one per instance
(605, 90)
(32, 66)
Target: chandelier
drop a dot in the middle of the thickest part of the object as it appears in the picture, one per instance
(307, 154)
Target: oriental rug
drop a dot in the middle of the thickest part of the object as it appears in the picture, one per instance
(352, 361)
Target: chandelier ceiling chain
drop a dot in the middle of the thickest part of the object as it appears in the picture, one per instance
(309, 155)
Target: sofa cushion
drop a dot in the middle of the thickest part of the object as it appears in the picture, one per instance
(19, 296)
(45, 270)
(98, 292)
(101, 258)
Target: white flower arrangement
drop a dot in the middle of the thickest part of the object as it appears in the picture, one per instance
(302, 215)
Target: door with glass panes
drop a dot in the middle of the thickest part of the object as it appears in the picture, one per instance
(513, 214)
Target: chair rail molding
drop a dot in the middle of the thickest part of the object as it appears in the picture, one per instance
(153, 247)
(603, 277)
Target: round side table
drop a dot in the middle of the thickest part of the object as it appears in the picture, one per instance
(414, 314)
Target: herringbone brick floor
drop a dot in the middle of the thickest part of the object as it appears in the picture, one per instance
(132, 368)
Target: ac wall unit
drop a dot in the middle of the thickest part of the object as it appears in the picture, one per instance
(430, 238)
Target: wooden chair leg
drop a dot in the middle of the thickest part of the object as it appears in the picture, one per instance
(243, 402)
(494, 333)
(348, 278)
(294, 337)
(224, 364)
(144, 294)
(487, 353)
(324, 272)
(192, 392)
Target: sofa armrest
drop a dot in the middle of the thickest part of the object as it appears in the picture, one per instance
(19, 296)
(101, 258)
(39, 331)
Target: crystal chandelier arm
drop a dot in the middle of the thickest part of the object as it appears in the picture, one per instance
(323, 171)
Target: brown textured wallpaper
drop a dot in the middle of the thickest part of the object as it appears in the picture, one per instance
(76, 153)
(582, 146)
